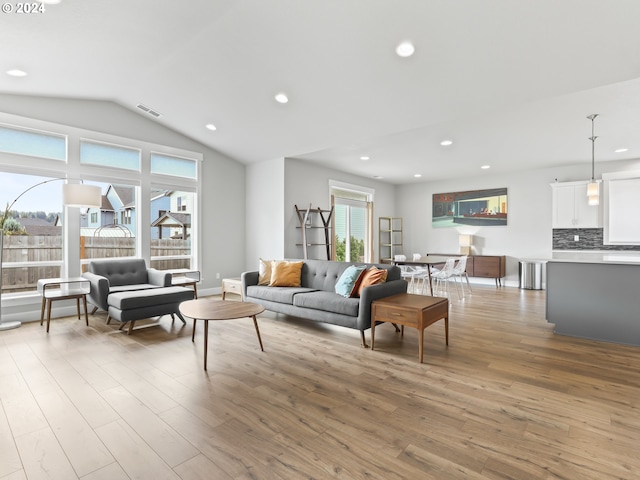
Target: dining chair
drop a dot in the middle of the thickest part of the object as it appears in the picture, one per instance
(460, 270)
(445, 275)
(408, 273)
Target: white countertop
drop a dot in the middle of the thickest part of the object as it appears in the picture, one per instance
(600, 256)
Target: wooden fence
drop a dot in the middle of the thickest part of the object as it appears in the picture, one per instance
(21, 249)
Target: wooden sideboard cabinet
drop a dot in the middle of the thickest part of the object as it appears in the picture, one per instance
(488, 266)
(484, 266)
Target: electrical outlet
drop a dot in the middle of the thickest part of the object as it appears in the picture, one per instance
(576, 238)
(217, 276)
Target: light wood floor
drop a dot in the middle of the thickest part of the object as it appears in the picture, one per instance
(507, 399)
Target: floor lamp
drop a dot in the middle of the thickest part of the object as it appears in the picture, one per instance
(73, 195)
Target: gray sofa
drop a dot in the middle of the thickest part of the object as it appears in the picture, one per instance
(130, 291)
(316, 299)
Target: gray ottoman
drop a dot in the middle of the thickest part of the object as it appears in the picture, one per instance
(138, 304)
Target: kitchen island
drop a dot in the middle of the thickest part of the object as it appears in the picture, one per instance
(595, 295)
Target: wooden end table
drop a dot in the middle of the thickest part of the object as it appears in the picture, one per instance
(406, 309)
(184, 278)
(204, 309)
(231, 285)
(53, 289)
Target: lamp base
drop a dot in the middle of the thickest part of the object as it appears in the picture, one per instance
(9, 325)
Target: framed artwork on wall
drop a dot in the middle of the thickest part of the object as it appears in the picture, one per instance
(473, 207)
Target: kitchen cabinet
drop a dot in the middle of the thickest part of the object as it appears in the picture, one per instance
(571, 208)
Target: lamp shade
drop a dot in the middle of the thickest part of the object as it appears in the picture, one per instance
(81, 195)
(465, 242)
(593, 192)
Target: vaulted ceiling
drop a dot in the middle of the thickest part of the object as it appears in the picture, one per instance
(510, 83)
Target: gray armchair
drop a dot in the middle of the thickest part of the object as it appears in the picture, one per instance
(121, 275)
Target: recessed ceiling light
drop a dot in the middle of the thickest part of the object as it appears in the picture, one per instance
(485, 167)
(417, 175)
(405, 49)
(446, 143)
(16, 73)
(364, 157)
(621, 150)
(210, 126)
(377, 177)
(281, 98)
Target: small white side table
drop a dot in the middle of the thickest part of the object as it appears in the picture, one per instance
(185, 277)
(63, 289)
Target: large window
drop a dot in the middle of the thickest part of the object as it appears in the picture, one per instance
(112, 156)
(33, 143)
(42, 243)
(32, 240)
(172, 213)
(174, 166)
(352, 225)
(109, 231)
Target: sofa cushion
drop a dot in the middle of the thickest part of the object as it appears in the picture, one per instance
(285, 274)
(264, 272)
(349, 280)
(152, 297)
(121, 271)
(132, 288)
(372, 276)
(276, 294)
(328, 301)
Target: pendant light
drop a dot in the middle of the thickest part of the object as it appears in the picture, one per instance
(593, 187)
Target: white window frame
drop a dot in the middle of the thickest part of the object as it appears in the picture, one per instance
(73, 169)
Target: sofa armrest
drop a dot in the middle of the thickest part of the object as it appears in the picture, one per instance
(374, 292)
(247, 279)
(99, 290)
(159, 277)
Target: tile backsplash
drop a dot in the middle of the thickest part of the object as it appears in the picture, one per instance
(588, 239)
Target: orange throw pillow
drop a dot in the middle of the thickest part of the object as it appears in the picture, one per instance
(372, 276)
(285, 274)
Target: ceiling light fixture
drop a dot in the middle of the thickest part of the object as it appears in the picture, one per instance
(485, 167)
(16, 73)
(405, 49)
(446, 143)
(621, 150)
(210, 126)
(417, 175)
(593, 187)
(281, 97)
(364, 158)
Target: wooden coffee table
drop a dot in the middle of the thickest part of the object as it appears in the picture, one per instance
(203, 309)
(417, 311)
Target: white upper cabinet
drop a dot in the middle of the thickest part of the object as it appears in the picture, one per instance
(571, 208)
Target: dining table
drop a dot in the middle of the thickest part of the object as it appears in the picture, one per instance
(425, 261)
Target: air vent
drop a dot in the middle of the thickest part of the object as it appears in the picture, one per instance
(150, 111)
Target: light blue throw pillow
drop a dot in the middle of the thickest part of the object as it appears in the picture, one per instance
(348, 279)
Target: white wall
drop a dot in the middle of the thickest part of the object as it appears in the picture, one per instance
(223, 179)
(308, 183)
(528, 233)
(265, 212)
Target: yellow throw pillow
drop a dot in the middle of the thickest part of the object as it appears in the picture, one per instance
(264, 275)
(371, 277)
(285, 274)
